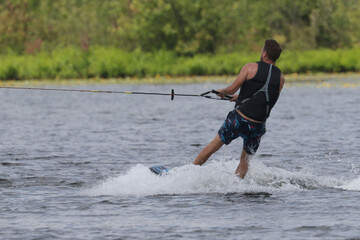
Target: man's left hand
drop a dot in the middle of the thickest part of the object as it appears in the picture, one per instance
(234, 98)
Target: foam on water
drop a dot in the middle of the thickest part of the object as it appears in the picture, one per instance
(214, 177)
(353, 185)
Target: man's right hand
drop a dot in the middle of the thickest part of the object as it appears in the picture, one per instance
(220, 93)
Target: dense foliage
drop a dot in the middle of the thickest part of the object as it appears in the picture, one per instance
(116, 38)
(184, 26)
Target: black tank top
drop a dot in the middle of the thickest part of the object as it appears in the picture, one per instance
(257, 105)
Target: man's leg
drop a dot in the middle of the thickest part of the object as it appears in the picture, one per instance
(243, 167)
(204, 155)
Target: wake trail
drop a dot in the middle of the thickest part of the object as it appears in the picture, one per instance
(214, 177)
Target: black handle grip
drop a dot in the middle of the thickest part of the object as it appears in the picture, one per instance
(226, 96)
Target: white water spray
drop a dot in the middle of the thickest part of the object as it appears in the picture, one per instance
(214, 177)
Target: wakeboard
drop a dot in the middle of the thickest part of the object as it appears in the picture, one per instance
(159, 170)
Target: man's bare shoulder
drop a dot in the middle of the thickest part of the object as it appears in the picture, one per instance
(251, 66)
(251, 70)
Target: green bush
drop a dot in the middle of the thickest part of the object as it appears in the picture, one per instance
(111, 62)
(322, 60)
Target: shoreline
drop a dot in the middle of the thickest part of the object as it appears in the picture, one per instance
(293, 78)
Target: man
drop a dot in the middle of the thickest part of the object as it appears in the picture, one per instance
(260, 84)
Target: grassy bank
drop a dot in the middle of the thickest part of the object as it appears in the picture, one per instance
(347, 80)
(101, 62)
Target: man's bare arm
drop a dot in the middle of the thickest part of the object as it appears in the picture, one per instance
(246, 73)
(240, 79)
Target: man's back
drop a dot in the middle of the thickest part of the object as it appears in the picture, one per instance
(251, 70)
(259, 94)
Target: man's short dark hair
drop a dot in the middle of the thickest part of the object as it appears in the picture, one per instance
(272, 49)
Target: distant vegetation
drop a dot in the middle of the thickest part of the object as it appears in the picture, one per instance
(108, 62)
(112, 38)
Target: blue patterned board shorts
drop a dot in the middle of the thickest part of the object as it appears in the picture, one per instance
(236, 126)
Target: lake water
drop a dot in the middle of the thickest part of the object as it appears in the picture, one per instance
(75, 166)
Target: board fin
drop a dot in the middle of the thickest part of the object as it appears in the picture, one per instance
(159, 170)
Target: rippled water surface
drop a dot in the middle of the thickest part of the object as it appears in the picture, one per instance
(75, 166)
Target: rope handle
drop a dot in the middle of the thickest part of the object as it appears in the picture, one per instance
(228, 97)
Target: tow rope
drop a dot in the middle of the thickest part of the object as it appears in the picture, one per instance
(172, 94)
